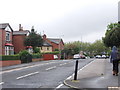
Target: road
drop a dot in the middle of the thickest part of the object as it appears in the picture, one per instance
(43, 74)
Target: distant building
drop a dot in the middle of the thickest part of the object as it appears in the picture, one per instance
(6, 40)
(52, 44)
(18, 39)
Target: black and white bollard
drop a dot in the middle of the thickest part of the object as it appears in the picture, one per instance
(76, 69)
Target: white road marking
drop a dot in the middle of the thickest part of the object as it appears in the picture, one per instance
(1, 83)
(24, 67)
(73, 75)
(79, 70)
(51, 68)
(59, 86)
(63, 64)
(69, 77)
(26, 75)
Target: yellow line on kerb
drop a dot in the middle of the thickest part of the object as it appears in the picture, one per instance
(113, 88)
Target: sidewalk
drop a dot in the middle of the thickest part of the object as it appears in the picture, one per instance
(97, 74)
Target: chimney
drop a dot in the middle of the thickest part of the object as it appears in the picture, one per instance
(44, 37)
(20, 28)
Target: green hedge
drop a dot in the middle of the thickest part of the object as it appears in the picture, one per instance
(9, 57)
(35, 56)
(55, 52)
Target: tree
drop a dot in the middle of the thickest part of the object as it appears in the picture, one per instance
(34, 40)
(99, 47)
(112, 35)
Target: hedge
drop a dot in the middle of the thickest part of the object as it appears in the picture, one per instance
(55, 52)
(9, 57)
(35, 56)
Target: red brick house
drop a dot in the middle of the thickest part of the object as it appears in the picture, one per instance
(18, 39)
(6, 41)
(54, 43)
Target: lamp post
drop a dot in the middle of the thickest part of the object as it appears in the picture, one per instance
(60, 46)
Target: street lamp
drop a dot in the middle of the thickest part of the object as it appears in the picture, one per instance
(60, 46)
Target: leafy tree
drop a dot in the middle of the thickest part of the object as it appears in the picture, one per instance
(34, 40)
(90, 49)
(112, 35)
(99, 47)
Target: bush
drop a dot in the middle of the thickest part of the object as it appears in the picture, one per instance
(37, 50)
(55, 52)
(9, 57)
(37, 55)
(25, 56)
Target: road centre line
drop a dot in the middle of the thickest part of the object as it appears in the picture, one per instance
(51, 68)
(27, 75)
(1, 83)
(16, 69)
(63, 64)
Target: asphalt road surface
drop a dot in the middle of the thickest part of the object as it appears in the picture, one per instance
(43, 74)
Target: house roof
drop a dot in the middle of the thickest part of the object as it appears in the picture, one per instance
(54, 40)
(4, 25)
(45, 43)
(21, 32)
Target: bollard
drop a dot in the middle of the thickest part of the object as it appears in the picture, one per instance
(76, 69)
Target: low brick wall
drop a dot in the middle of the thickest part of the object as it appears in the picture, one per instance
(39, 59)
(48, 56)
(9, 62)
(15, 62)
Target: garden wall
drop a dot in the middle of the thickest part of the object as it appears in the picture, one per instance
(9, 63)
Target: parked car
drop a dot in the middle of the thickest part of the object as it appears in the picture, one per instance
(104, 56)
(76, 56)
(98, 56)
(82, 57)
(55, 57)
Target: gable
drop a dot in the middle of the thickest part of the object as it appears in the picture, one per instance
(6, 26)
(8, 29)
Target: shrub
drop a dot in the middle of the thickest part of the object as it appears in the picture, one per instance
(37, 50)
(55, 52)
(56, 49)
(37, 55)
(9, 57)
(25, 56)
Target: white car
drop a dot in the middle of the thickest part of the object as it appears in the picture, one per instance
(55, 57)
(103, 56)
(98, 56)
(76, 56)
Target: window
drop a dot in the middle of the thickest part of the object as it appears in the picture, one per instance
(6, 50)
(7, 36)
(41, 48)
(9, 50)
(47, 48)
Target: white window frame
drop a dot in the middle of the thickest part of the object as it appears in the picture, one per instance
(9, 50)
(7, 36)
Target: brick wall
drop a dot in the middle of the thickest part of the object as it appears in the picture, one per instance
(3, 41)
(0, 42)
(18, 42)
(48, 56)
(9, 63)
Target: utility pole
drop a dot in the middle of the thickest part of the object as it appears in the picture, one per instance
(119, 12)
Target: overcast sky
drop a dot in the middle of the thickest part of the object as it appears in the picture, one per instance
(72, 20)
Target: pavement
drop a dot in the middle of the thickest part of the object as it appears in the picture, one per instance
(97, 74)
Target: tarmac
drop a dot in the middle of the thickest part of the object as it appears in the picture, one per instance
(96, 75)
